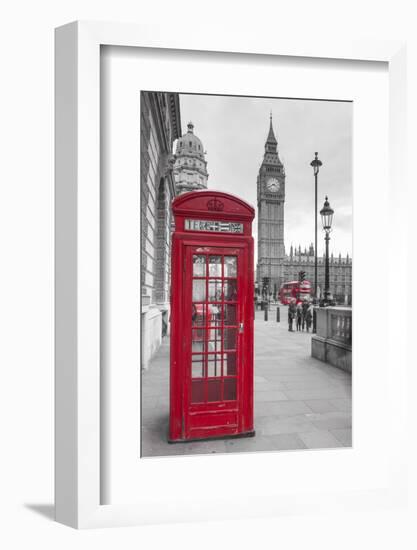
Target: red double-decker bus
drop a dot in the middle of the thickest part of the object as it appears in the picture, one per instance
(295, 289)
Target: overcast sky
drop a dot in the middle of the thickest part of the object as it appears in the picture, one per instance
(234, 130)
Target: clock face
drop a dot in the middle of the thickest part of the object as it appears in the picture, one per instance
(272, 184)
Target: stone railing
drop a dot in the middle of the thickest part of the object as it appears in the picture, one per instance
(332, 342)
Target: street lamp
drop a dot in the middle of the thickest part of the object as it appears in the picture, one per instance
(316, 163)
(326, 214)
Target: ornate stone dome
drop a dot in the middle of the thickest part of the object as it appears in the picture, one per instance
(190, 168)
(189, 143)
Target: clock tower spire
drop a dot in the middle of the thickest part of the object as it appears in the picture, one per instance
(270, 199)
(271, 141)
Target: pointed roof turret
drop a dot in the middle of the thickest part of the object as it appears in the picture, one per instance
(271, 145)
(271, 136)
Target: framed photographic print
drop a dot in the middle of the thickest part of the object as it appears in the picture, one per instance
(213, 334)
(243, 372)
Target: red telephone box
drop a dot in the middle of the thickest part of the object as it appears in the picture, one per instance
(211, 373)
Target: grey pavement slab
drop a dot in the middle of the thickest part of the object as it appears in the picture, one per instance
(267, 386)
(307, 383)
(288, 442)
(274, 425)
(342, 404)
(250, 444)
(320, 439)
(270, 395)
(280, 408)
(344, 435)
(300, 402)
(333, 420)
(320, 405)
(323, 392)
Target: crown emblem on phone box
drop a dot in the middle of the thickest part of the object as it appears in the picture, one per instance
(215, 204)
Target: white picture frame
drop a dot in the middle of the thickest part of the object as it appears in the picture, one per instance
(77, 372)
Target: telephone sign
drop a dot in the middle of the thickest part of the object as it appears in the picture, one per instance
(211, 372)
(211, 225)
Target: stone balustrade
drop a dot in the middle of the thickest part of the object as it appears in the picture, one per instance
(332, 342)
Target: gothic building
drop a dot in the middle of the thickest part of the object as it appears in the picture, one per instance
(273, 262)
(190, 168)
(160, 127)
(270, 199)
(340, 272)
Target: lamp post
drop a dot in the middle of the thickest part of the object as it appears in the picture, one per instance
(316, 163)
(326, 214)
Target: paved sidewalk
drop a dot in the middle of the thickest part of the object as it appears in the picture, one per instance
(300, 402)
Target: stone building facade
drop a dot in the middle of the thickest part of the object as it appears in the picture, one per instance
(160, 126)
(340, 272)
(190, 168)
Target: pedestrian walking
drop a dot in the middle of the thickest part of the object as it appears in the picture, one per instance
(309, 317)
(299, 314)
(292, 311)
(305, 308)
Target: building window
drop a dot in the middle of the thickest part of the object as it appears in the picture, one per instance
(162, 252)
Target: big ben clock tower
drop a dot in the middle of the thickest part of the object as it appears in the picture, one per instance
(271, 197)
